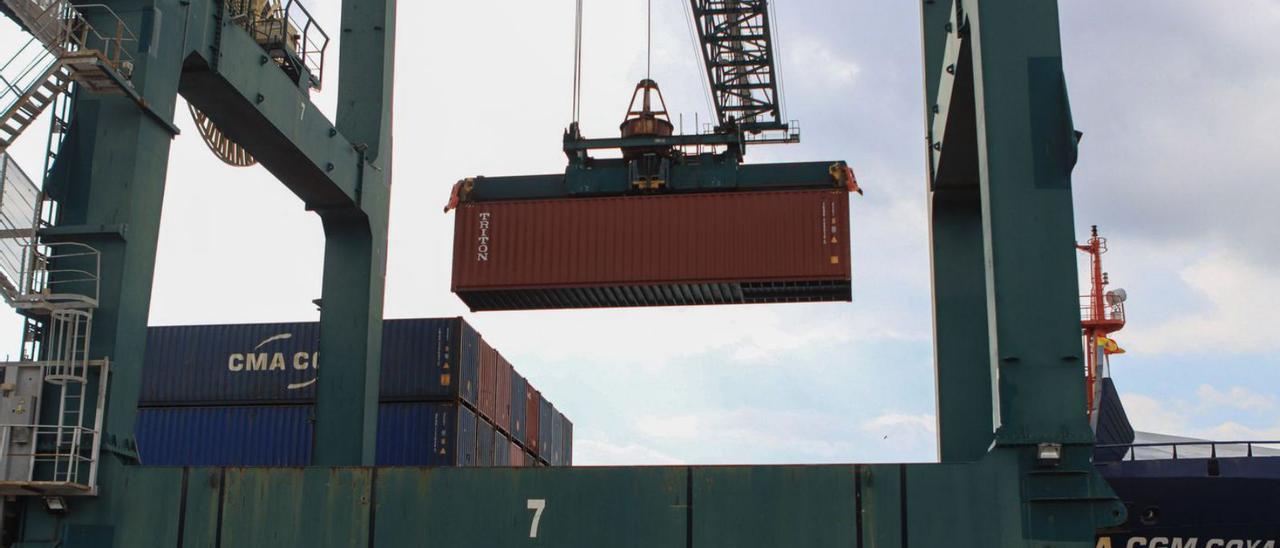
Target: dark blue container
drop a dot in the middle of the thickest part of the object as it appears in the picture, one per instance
(566, 458)
(546, 430)
(278, 435)
(430, 358)
(218, 364)
(557, 440)
(484, 443)
(516, 428)
(409, 434)
(422, 359)
(426, 434)
(501, 449)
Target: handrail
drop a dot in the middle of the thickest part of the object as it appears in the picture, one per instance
(63, 29)
(309, 49)
(289, 34)
(1109, 312)
(1213, 447)
(32, 72)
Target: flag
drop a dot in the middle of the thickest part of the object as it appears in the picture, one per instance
(1109, 346)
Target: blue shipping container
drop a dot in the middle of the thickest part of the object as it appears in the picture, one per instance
(422, 359)
(225, 436)
(557, 440)
(567, 458)
(484, 443)
(518, 384)
(546, 430)
(409, 434)
(426, 434)
(501, 449)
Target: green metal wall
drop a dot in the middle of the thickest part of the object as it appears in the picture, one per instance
(888, 505)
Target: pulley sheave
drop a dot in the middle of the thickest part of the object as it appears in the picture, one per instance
(222, 146)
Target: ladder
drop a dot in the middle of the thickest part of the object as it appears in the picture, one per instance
(48, 448)
(64, 49)
(30, 104)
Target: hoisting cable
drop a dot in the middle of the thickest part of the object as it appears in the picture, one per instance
(698, 63)
(781, 99)
(577, 63)
(648, 62)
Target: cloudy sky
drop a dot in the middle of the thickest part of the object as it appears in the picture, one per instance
(1176, 99)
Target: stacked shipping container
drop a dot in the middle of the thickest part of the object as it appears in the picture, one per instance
(244, 395)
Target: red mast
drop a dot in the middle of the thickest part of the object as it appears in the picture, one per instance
(1101, 313)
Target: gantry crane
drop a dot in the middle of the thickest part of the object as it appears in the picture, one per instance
(1015, 446)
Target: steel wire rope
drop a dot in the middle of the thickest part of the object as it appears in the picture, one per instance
(577, 63)
(690, 25)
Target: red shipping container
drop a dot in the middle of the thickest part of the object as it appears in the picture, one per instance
(517, 455)
(674, 249)
(532, 405)
(503, 405)
(488, 381)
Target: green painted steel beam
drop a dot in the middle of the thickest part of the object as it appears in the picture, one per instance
(1026, 152)
(109, 182)
(610, 177)
(963, 369)
(356, 243)
(228, 76)
(707, 139)
(342, 171)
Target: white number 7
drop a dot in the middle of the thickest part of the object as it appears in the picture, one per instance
(537, 505)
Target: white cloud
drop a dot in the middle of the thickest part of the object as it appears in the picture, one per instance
(1234, 431)
(1236, 397)
(1240, 298)
(592, 452)
(725, 436)
(895, 422)
(1150, 414)
(815, 62)
(1177, 418)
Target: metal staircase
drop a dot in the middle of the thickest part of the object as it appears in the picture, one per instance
(48, 448)
(64, 49)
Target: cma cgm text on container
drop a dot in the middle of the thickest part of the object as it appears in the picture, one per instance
(422, 359)
(432, 359)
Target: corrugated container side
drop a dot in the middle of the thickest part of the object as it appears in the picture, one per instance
(246, 363)
(557, 439)
(518, 405)
(568, 443)
(488, 401)
(681, 249)
(517, 455)
(503, 405)
(424, 434)
(279, 435)
(468, 428)
(470, 385)
(501, 449)
(433, 358)
(532, 418)
(547, 429)
(484, 443)
(530, 460)
(426, 358)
